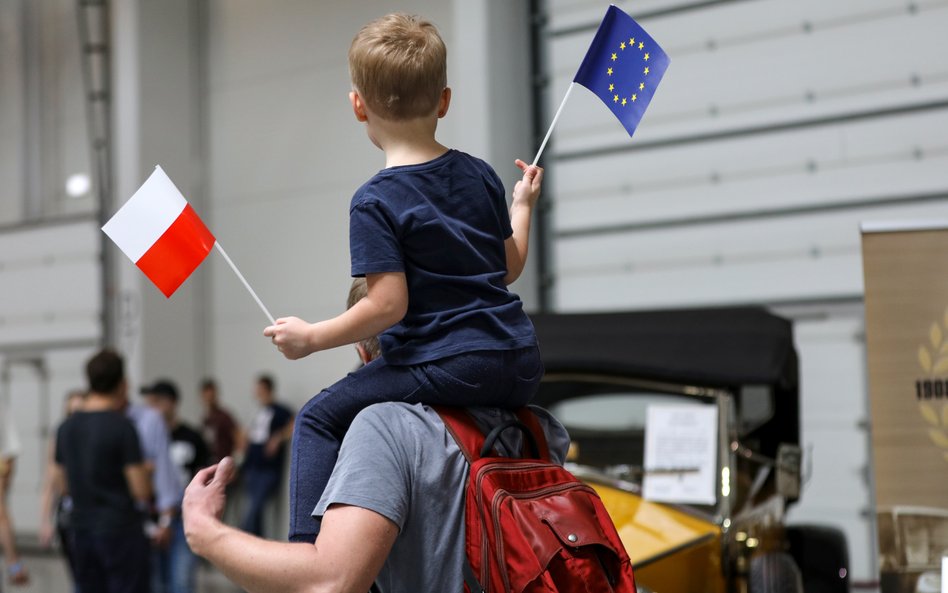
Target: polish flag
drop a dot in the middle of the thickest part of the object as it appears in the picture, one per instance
(159, 231)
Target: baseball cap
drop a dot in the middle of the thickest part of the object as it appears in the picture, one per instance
(163, 388)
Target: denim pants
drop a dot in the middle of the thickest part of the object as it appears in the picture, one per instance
(173, 570)
(500, 378)
(260, 484)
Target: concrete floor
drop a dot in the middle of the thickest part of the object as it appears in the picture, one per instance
(48, 574)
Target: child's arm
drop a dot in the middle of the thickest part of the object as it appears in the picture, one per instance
(385, 305)
(525, 196)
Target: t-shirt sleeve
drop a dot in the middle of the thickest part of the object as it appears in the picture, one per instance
(60, 446)
(373, 239)
(373, 470)
(131, 446)
(500, 205)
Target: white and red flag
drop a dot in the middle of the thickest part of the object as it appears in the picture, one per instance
(159, 231)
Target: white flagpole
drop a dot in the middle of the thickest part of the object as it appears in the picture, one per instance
(553, 123)
(242, 279)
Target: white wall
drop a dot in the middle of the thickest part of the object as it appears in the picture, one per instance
(284, 156)
(779, 127)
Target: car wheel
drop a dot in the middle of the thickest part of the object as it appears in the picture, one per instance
(774, 573)
(822, 555)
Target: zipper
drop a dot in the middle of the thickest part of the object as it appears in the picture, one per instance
(485, 547)
(500, 494)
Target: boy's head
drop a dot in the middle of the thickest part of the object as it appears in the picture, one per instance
(398, 65)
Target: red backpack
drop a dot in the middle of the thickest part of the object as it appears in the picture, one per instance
(531, 525)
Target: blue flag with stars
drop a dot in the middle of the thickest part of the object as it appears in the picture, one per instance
(623, 67)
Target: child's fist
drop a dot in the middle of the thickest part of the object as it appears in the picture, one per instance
(527, 190)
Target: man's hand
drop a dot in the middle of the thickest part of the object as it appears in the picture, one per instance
(527, 190)
(273, 445)
(291, 336)
(161, 538)
(203, 503)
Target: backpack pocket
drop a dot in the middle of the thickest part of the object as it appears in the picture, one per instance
(558, 543)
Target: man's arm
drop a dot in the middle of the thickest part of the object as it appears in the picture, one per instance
(352, 546)
(525, 196)
(156, 450)
(139, 484)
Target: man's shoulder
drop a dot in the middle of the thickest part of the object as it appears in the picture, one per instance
(396, 417)
(400, 420)
(141, 414)
(281, 412)
(184, 431)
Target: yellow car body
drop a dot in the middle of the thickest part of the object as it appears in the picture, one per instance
(671, 550)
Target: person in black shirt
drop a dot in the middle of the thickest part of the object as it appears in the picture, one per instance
(99, 457)
(176, 566)
(265, 453)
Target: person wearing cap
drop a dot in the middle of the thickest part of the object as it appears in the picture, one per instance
(174, 569)
(156, 448)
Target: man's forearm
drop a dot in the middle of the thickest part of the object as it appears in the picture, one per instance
(259, 565)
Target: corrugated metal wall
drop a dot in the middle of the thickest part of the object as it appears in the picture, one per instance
(778, 128)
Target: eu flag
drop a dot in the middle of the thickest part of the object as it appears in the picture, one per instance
(623, 67)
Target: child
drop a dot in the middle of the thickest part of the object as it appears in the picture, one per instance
(433, 238)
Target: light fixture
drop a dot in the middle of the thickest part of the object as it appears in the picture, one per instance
(78, 185)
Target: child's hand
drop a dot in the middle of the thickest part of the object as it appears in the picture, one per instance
(527, 190)
(291, 337)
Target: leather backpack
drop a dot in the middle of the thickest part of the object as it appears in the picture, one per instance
(531, 526)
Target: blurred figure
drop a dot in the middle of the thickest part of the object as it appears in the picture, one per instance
(55, 503)
(267, 436)
(174, 569)
(99, 458)
(156, 449)
(9, 449)
(220, 430)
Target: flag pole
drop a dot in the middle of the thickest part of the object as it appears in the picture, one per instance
(553, 123)
(242, 279)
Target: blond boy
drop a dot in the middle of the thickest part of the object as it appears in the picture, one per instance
(432, 235)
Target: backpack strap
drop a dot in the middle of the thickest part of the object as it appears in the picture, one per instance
(528, 418)
(464, 430)
(470, 439)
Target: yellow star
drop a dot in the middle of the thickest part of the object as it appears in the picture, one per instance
(646, 56)
(622, 45)
(623, 101)
(641, 45)
(614, 57)
(646, 70)
(609, 71)
(631, 41)
(612, 87)
(641, 86)
(634, 97)
(615, 98)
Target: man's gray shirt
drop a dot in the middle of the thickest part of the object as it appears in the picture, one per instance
(399, 461)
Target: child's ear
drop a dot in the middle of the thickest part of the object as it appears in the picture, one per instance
(444, 102)
(358, 107)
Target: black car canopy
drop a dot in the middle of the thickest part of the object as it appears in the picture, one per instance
(722, 348)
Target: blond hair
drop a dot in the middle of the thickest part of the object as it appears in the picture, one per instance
(358, 291)
(398, 65)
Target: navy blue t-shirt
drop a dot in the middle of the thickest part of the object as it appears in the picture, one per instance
(443, 223)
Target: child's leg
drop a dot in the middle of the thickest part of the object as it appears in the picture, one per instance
(322, 424)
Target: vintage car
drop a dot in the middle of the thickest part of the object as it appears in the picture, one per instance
(605, 371)
(912, 542)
